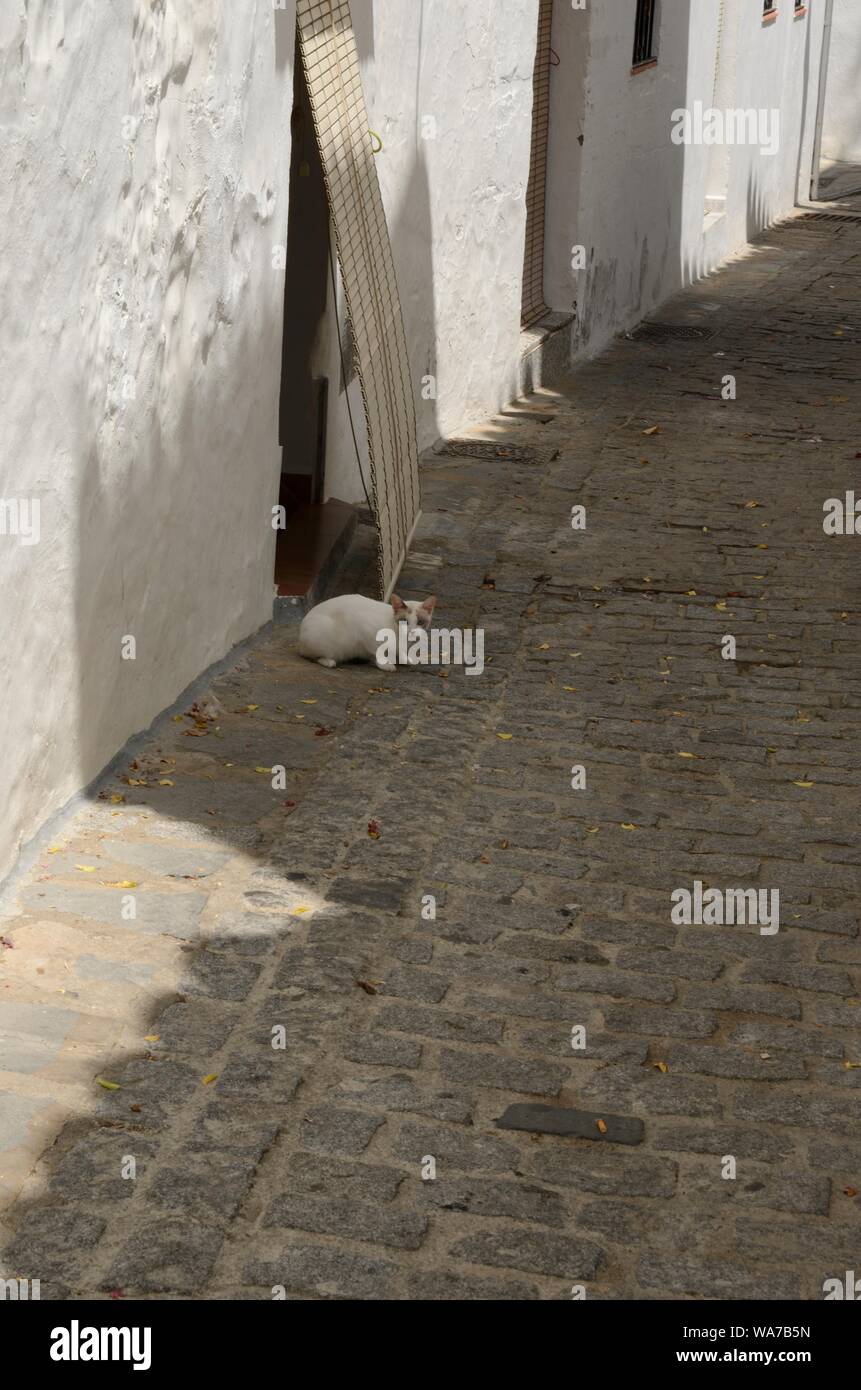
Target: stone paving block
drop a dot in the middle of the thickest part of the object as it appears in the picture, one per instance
(326, 1271)
(32, 1035)
(443, 1286)
(175, 1255)
(534, 1252)
(172, 914)
(345, 1178)
(332, 1129)
(345, 1217)
(519, 1201)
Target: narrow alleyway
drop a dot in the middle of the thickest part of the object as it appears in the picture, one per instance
(365, 1158)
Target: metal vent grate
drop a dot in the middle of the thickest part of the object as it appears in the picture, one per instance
(657, 332)
(532, 301)
(811, 217)
(329, 57)
(487, 449)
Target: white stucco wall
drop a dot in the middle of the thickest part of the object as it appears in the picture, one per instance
(449, 91)
(639, 209)
(140, 344)
(841, 129)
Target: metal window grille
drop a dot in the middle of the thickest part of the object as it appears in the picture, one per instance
(532, 299)
(644, 31)
(327, 49)
(768, 6)
(800, 4)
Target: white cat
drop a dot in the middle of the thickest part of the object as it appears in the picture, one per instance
(345, 628)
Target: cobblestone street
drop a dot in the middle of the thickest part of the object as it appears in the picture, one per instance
(428, 1130)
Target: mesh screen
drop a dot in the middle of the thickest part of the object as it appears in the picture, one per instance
(532, 305)
(327, 50)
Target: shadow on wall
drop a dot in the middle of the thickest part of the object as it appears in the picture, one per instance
(412, 250)
(635, 255)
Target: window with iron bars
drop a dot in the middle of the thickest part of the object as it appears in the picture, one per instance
(769, 5)
(644, 32)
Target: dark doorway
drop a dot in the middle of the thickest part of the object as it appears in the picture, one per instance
(317, 533)
(302, 414)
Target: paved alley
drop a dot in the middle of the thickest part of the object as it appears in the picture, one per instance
(416, 1022)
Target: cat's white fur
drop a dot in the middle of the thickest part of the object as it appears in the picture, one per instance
(345, 628)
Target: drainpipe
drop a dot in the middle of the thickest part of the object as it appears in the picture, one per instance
(824, 55)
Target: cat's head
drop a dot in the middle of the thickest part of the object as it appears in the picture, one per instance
(413, 612)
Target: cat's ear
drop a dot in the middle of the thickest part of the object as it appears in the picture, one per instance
(428, 605)
(397, 603)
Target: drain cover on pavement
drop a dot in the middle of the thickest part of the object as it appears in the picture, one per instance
(656, 331)
(490, 449)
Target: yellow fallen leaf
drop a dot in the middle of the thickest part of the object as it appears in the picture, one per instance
(762, 546)
(117, 798)
(165, 782)
(86, 868)
(601, 1126)
(569, 687)
(108, 1085)
(691, 593)
(262, 769)
(592, 829)
(151, 1037)
(120, 883)
(687, 755)
(297, 911)
(851, 1066)
(309, 702)
(803, 784)
(653, 429)
(177, 718)
(213, 1076)
(545, 647)
(627, 825)
(505, 737)
(751, 504)
(574, 653)
(54, 849)
(721, 605)
(661, 1066)
(252, 707)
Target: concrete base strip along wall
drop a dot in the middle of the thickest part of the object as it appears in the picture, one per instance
(329, 57)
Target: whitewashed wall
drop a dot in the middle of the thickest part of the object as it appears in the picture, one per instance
(639, 209)
(841, 129)
(143, 179)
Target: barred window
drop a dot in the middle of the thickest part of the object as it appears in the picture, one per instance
(644, 32)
